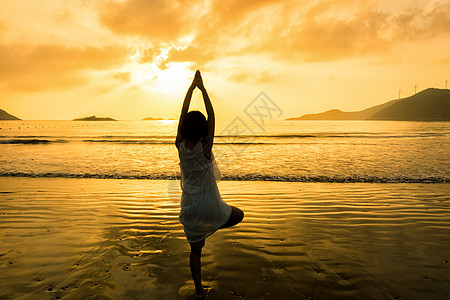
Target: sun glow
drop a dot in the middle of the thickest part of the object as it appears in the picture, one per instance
(174, 79)
(159, 76)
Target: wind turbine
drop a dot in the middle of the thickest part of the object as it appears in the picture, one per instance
(415, 89)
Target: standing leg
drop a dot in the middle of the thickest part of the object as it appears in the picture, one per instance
(195, 264)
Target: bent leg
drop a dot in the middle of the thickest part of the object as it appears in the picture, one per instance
(195, 264)
(236, 217)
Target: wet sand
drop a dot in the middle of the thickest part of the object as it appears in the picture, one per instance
(121, 239)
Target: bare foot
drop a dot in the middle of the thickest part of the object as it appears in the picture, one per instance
(202, 294)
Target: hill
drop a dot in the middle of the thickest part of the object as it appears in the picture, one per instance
(94, 118)
(5, 116)
(428, 105)
(336, 114)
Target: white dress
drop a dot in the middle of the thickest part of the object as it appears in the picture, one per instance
(202, 209)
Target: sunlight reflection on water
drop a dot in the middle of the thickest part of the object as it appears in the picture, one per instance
(298, 151)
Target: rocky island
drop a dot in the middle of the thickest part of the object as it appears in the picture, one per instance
(94, 118)
(152, 119)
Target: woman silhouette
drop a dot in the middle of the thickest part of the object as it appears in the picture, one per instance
(202, 209)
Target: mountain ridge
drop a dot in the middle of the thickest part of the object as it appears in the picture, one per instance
(413, 108)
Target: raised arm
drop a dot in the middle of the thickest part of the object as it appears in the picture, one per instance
(208, 140)
(184, 111)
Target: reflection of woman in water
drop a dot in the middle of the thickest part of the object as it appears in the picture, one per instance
(202, 209)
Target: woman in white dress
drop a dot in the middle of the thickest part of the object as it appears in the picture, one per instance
(202, 209)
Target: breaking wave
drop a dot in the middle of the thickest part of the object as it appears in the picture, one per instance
(249, 177)
(220, 139)
(31, 141)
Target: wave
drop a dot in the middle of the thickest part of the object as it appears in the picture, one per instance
(242, 136)
(248, 177)
(171, 142)
(219, 139)
(340, 135)
(290, 136)
(30, 141)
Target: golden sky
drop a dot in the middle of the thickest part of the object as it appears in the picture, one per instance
(130, 59)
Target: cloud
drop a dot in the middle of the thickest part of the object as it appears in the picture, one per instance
(202, 33)
(439, 19)
(157, 20)
(322, 36)
(62, 15)
(445, 59)
(149, 54)
(254, 77)
(194, 54)
(32, 68)
(422, 23)
(332, 30)
(239, 77)
(266, 76)
(122, 76)
(284, 30)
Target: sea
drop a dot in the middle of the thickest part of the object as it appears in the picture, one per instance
(302, 151)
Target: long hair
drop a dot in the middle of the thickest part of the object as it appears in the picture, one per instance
(194, 126)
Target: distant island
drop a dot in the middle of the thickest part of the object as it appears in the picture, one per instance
(6, 116)
(94, 118)
(428, 105)
(157, 119)
(152, 119)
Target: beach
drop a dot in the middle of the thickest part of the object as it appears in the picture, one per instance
(81, 238)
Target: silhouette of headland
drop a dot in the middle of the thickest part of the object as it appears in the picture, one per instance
(428, 105)
(6, 116)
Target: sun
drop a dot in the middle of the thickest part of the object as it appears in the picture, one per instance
(166, 78)
(174, 79)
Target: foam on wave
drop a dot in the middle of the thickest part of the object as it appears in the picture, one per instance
(252, 177)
